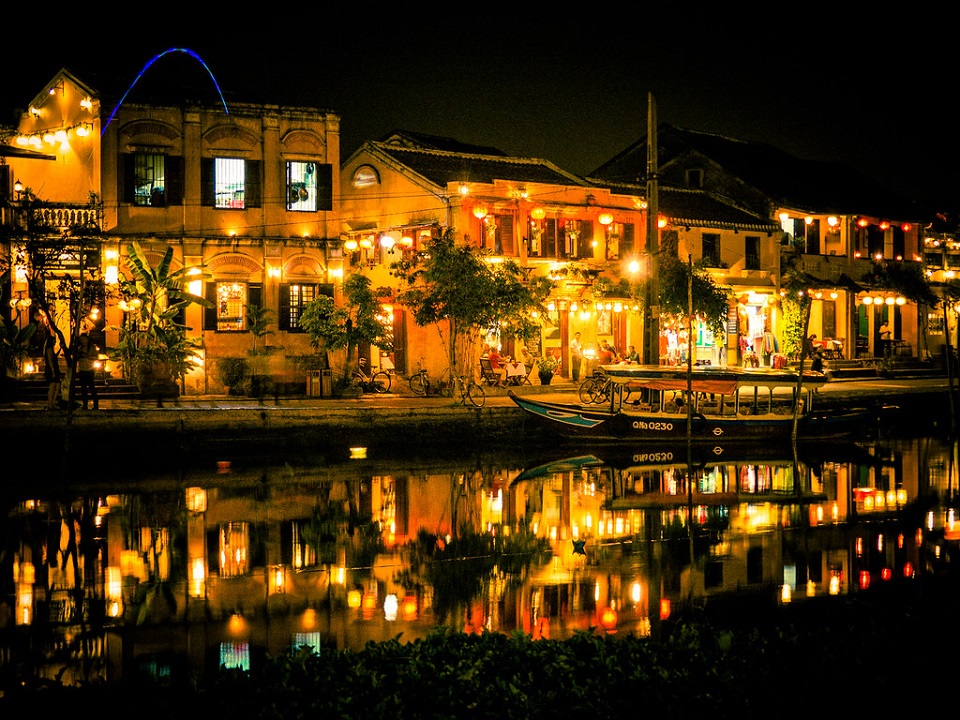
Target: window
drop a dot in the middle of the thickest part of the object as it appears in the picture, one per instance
(365, 176)
(711, 249)
(235, 655)
(309, 186)
(694, 179)
(293, 298)
(230, 183)
(230, 299)
(150, 179)
(234, 549)
(302, 186)
(751, 252)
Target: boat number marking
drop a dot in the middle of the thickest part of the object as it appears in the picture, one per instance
(653, 425)
(653, 457)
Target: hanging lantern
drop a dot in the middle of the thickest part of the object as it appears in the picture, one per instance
(479, 211)
(538, 213)
(605, 219)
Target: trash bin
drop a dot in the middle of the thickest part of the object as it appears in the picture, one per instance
(326, 383)
(313, 383)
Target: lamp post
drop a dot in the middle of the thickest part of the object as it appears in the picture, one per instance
(18, 189)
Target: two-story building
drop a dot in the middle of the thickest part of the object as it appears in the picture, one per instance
(835, 225)
(243, 190)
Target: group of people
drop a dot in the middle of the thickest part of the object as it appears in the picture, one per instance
(87, 353)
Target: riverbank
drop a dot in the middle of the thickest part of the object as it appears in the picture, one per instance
(122, 435)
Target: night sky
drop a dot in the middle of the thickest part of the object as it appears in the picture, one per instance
(877, 95)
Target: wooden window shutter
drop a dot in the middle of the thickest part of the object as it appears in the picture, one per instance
(254, 297)
(325, 187)
(173, 179)
(252, 189)
(549, 241)
(627, 240)
(126, 177)
(505, 234)
(207, 181)
(283, 315)
(585, 241)
(210, 313)
(400, 341)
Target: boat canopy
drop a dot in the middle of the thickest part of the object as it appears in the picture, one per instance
(705, 378)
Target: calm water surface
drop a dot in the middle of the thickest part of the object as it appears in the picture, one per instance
(180, 572)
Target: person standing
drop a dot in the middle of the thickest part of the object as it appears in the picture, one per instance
(51, 371)
(576, 356)
(87, 352)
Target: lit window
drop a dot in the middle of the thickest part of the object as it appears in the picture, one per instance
(234, 547)
(302, 186)
(306, 639)
(229, 183)
(231, 298)
(149, 180)
(235, 655)
(365, 176)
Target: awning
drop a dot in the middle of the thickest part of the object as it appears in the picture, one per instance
(15, 152)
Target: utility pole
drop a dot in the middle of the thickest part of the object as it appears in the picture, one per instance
(651, 351)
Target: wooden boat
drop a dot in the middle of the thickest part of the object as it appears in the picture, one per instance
(657, 404)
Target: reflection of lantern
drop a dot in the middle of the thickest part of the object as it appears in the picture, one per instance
(664, 608)
(608, 619)
(605, 219)
(538, 213)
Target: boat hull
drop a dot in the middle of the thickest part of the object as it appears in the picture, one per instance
(578, 421)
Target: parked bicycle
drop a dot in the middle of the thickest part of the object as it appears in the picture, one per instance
(379, 383)
(419, 382)
(597, 388)
(464, 390)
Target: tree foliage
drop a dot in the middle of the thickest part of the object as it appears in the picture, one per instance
(457, 284)
(710, 302)
(346, 326)
(157, 297)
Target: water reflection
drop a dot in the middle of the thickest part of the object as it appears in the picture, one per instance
(172, 573)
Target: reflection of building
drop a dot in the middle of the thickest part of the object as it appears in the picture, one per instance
(239, 564)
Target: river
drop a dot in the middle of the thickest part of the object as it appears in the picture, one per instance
(185, 570)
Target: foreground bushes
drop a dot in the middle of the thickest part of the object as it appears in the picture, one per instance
(852, 657)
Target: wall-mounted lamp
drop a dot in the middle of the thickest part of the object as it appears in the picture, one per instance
(18, 188)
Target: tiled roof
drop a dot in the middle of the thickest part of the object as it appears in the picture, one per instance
(816, 186)
(441, 168)
(696, 208)
(406, 138)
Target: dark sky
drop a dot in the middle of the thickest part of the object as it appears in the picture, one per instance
(876, 95)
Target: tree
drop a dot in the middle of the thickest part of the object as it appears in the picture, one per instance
(154, 345)
(710, 302)
(345, 327)
(456, 284)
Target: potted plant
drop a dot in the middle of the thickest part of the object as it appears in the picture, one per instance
(547, 366)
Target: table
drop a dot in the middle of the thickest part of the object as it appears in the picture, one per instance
(516, 373)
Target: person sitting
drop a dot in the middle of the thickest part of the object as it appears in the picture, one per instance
(606, 354)
(632, 355)
(496, 364)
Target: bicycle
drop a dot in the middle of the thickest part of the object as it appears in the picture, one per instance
(464, 390)
(469, 390)
(379, 383)
(419, 382)
(597, 389)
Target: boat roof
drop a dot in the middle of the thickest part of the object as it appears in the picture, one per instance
(709, 378)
